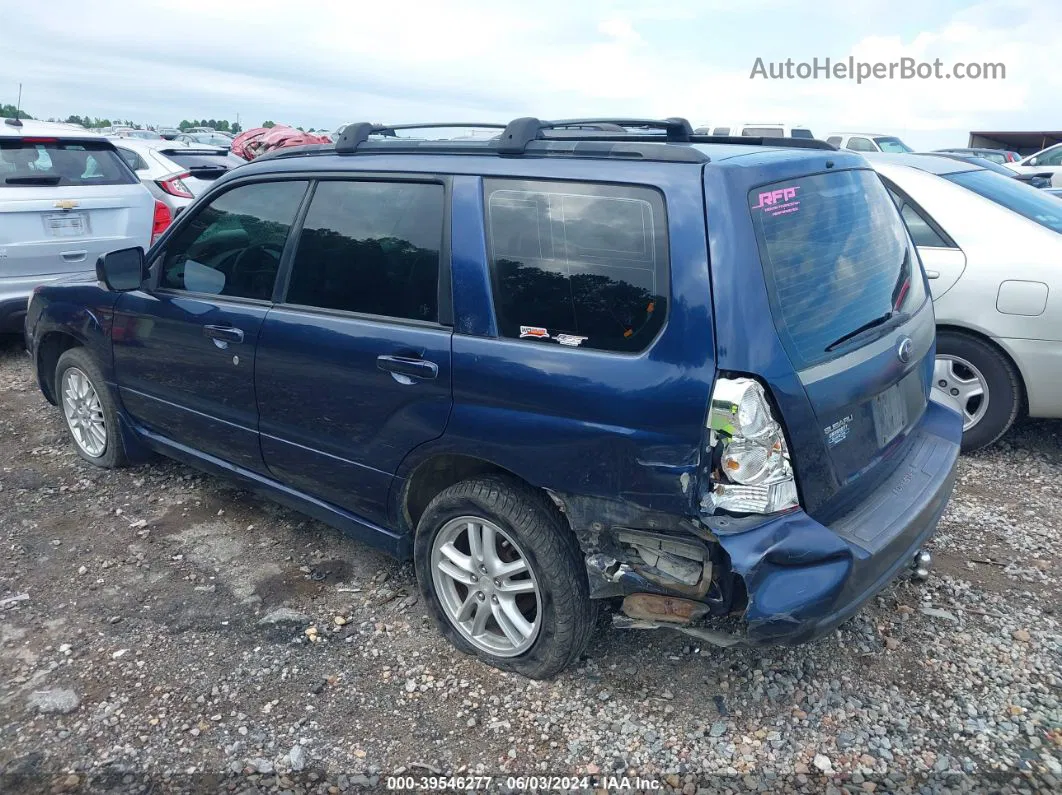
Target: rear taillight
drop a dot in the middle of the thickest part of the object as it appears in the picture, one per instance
(175, 187)
(39, 140)
(163, 218)
(750, 470)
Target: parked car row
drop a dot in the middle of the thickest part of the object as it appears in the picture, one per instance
(820, 344)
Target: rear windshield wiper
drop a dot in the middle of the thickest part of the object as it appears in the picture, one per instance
(36, 179)
(878, 321)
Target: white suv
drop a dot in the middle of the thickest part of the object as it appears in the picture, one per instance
(66, 197)
(868, 142)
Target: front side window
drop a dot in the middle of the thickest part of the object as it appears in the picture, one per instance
(858, 144)
(836, 260)
(1013, 194)
(232, 246)
(131, 158)
(1052, 157)
(371, 248)
(577, 264)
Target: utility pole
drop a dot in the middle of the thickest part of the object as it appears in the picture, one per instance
(18, 106)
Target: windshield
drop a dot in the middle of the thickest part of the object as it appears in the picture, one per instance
(890, 143)
(33, 163)
(836, 259)
(1013, 194)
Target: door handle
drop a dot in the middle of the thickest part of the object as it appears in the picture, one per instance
(405, 369)
(74, 256)
(223, 333)
(932, 274)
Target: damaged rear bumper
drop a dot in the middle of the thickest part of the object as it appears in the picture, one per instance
(789, 578)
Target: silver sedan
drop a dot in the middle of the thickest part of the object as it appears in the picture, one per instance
(991, 248)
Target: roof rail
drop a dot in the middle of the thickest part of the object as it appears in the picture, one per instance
(353, 135)
(520, 132)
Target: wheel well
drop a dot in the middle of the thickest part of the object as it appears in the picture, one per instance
(977, 335)
(439, 473)
(51, 347)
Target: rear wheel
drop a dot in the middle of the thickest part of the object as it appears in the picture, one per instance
(503, 577)
(88, 409)
(983, 381)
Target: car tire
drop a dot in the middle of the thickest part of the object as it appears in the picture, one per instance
(88, 409)
(554, 600)
(963, 359)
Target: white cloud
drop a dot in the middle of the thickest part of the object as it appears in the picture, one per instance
(340, 61)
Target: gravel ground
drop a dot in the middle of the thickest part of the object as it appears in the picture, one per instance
(181, 635)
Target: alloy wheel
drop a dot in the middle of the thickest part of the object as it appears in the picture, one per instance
(965, 383)
(84, 413)
(486, 587)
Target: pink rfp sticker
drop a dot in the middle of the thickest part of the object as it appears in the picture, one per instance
(780, 201)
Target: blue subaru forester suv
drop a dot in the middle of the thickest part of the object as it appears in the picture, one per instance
(574, 361)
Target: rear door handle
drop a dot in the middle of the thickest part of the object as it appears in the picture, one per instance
(223, 333)
(404, 368)
(932, 274)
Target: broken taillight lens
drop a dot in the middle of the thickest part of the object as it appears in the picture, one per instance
(751, 470)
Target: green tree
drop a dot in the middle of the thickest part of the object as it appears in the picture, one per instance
(223, 125)
(9, 112)
(185, 125)
(269, 124)
(236, 128)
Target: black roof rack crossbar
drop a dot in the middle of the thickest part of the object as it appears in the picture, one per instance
(520, 132)
(353, 135)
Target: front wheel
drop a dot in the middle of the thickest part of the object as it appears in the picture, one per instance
(983, 381)
(88, 409)
(503, 576)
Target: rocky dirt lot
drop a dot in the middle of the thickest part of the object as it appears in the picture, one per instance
(180, 635)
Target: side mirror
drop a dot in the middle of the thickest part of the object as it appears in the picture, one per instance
(122, 270)
(1032, 161)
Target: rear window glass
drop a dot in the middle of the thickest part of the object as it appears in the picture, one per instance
(578, 264)
(836, 257)
(203, 160)
(1013, 194)
(61, 163)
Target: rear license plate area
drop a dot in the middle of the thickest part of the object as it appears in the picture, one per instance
(892, 409)
(66, 224)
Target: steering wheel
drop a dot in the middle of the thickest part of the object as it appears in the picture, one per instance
(273, 250)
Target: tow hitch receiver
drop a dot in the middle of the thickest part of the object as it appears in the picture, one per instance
(920, 565)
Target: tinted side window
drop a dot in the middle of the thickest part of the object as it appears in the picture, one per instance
(371, 247)
(233, 245)
(131, 158)
(578, 264)
(835, 140)
(860, 145)
(798, 132)
(721, 131)
(921, 232)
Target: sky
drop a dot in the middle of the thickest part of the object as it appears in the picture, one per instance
(325, 63)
